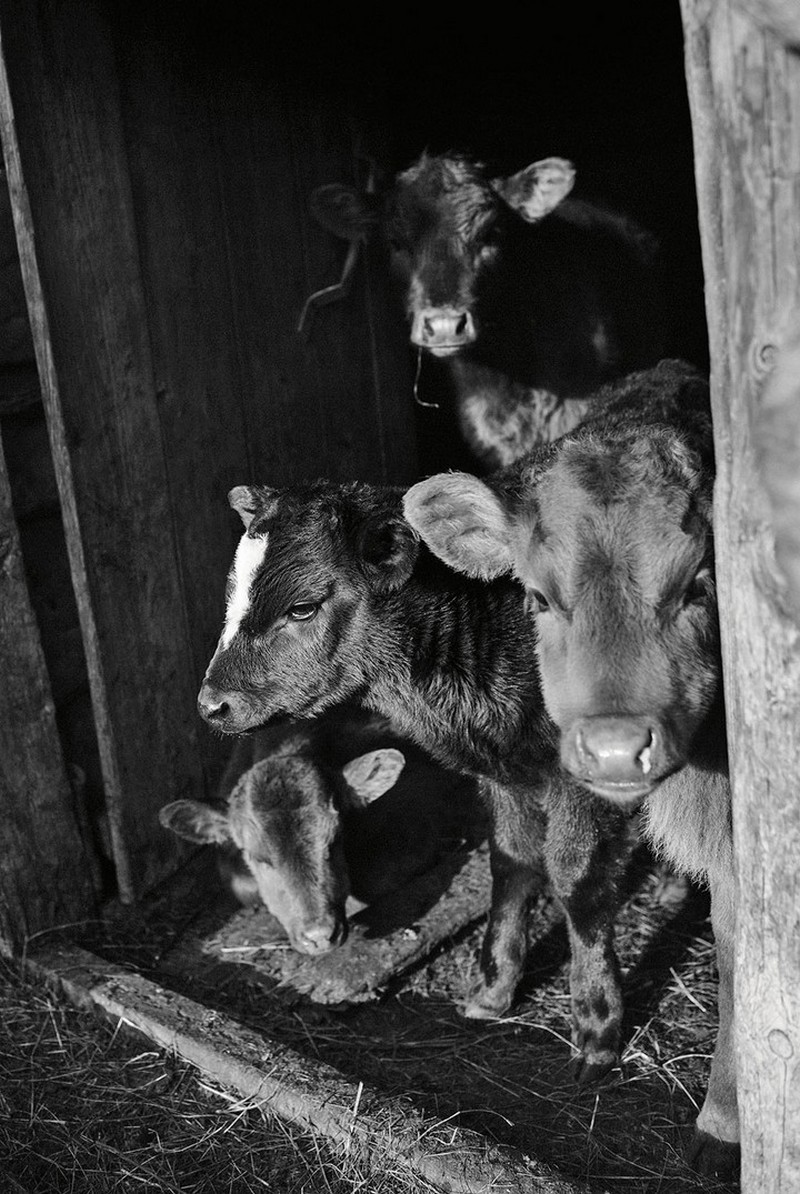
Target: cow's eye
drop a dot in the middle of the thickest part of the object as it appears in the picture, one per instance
(537, 601)
(303, 611)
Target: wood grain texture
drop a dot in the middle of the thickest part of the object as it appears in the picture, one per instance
(777, 436)
(744, 91)
(46, 873)
(70, 193)
(778, 16)
(223, 156)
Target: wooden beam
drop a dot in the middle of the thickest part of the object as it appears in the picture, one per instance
(70, 191)
(307, 1093)
(46, 867)
(777, 435)
(744, 93)
(778, 16)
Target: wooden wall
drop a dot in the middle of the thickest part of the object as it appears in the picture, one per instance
(743, 79)
(160, 209)
(47, 871)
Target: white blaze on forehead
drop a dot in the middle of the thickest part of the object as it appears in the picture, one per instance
(246, 563)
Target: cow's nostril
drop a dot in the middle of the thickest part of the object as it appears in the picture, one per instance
(583, 749)
(461, 326)
(621, 750)
(645, 757)
(318, 939)
(214, 710)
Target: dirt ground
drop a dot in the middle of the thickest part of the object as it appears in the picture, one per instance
(87, 1107)
(96, 1112)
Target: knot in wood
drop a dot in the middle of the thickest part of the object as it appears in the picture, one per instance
(780, 1044)
(764, 355)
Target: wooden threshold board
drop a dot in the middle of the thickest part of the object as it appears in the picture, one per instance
(312, 1095)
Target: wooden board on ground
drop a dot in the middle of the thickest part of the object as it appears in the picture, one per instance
(311, 1094)
(385, 938)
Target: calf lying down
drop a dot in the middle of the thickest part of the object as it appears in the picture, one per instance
(608, 533)
(301, 826)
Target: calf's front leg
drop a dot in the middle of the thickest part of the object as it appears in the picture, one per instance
(518, 873)
(588, 848)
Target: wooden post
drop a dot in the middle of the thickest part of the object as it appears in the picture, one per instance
(46, 868)
(68, 179)
(744, 92)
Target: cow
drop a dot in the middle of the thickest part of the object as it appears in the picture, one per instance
(282, 817)
(608, 533)
(333, 598)
(530, 298)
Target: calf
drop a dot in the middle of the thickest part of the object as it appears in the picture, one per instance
(609, 532)
(331, 598)
(531, 298)
(288, 793)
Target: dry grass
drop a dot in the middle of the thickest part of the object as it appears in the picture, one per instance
(89, 1111)
(87, 1108)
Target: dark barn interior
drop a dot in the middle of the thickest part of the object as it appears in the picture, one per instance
(205, 130)
(153, 361)
(612, 98)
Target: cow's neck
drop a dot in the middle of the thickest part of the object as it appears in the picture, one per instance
(456, 673)
(501, 419)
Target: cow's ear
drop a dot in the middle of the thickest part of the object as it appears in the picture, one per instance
(372, 774)
(344, 211)
(463, 523)
(195, 821)
(388, 549)
(249, 500)
(538, 189)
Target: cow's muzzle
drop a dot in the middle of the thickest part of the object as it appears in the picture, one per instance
(443, 331)
(319, 938)
(619, 758)
(228, 712)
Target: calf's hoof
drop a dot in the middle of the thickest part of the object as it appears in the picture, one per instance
(711, 1157)
(586, 1071)
(487, 1003)
(597, 1049)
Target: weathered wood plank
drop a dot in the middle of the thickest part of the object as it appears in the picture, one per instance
(744, 91)
(777, 436)
(223, 157)
(182, 231)
(779, 16)
(310, 1094)
(70, 192)
(342, 382)
(46, 867)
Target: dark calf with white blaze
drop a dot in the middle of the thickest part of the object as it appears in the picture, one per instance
(609, 533)
(282, 825)
(531, 298)
(333, 598)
